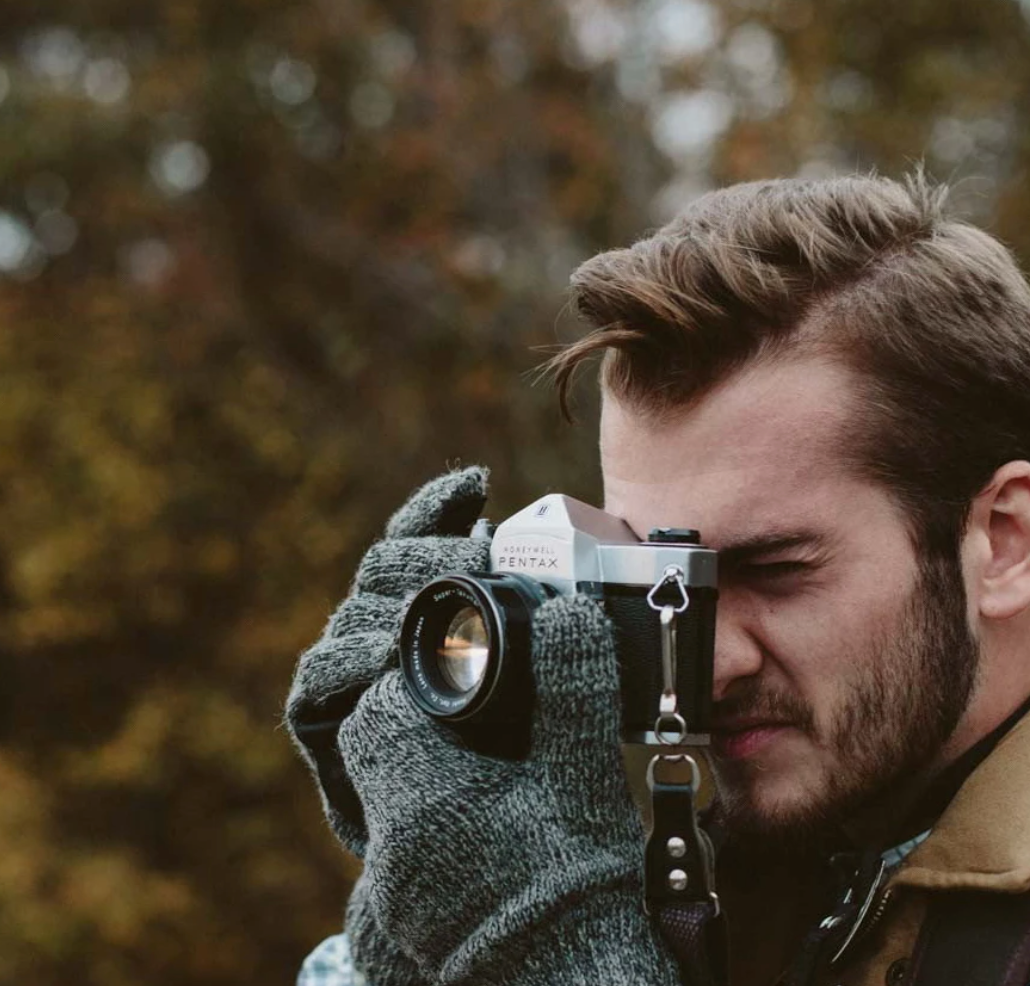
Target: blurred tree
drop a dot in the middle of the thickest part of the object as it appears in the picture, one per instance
(265, 266)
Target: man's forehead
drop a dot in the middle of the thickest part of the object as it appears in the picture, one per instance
(766, 442)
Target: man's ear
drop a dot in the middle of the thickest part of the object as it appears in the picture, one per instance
(1000, 523)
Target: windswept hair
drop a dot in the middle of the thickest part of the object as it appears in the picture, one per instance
(931, 313)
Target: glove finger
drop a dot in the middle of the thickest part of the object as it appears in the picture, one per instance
(400, 566)
(335, 673)
(362, 611)
(399, 759)
(356, 648)
(340, 802)
(314, 716)
(375, 955)
(448, 504)
(314, 730)
(577, 705)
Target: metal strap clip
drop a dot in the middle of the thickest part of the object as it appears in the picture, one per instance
(670, 728)
(679, 858)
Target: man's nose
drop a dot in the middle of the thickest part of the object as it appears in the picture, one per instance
(737, 653)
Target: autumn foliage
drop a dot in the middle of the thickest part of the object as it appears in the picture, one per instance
(265, 266)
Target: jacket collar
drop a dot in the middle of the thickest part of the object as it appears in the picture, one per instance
(982, 840)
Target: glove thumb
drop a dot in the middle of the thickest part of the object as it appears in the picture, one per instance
(448, 504)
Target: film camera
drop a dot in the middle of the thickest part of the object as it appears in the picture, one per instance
(465, 641)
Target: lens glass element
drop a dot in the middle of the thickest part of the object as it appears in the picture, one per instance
(464, 651)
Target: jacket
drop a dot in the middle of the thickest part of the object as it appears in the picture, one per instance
(981, 842)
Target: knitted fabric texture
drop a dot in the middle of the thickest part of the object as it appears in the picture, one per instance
(524, 872)
(376, 958)
(425, 538)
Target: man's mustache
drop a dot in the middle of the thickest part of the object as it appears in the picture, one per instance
(752, 704)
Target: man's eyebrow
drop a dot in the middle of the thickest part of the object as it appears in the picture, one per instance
(745, 549)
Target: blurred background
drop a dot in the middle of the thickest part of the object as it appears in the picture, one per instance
(267, 265)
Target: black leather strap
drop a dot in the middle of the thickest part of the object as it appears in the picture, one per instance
(679, 880)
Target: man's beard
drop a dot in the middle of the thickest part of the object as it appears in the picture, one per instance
(887, 728)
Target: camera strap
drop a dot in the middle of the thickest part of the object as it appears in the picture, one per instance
(679, 873)
(679, 859)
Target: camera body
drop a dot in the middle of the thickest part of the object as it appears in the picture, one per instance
(465, 641)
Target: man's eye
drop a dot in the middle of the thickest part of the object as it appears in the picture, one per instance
(775, 569)
(775, 577)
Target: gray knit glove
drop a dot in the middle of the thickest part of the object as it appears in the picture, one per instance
(425, 538)
(511, 872)
(375, 956)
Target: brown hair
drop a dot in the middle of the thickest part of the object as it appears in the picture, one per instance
(931, 313)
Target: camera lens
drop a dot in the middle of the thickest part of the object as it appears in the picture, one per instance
(464, 650)
(464, 645)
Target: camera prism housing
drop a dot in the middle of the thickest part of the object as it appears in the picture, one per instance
(465, 640)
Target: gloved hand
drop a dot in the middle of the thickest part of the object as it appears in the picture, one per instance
(425, 538)
(516, 872)
(375, 956)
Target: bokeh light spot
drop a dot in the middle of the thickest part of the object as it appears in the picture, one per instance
(393, 53)
(107, 81)
(689, 122)
(179, 167)
(684, 28)
(146, 263)
(56, 231)
(16, 242)
(754, 55)
(952, 139)
(292, 81)
(480, 256)
(599, 32)
(56, 53)
(848, 91)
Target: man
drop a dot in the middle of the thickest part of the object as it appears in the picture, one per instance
(831, 380)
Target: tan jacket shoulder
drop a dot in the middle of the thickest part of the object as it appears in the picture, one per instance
(981, 842)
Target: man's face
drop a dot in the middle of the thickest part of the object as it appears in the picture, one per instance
(842, 664)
